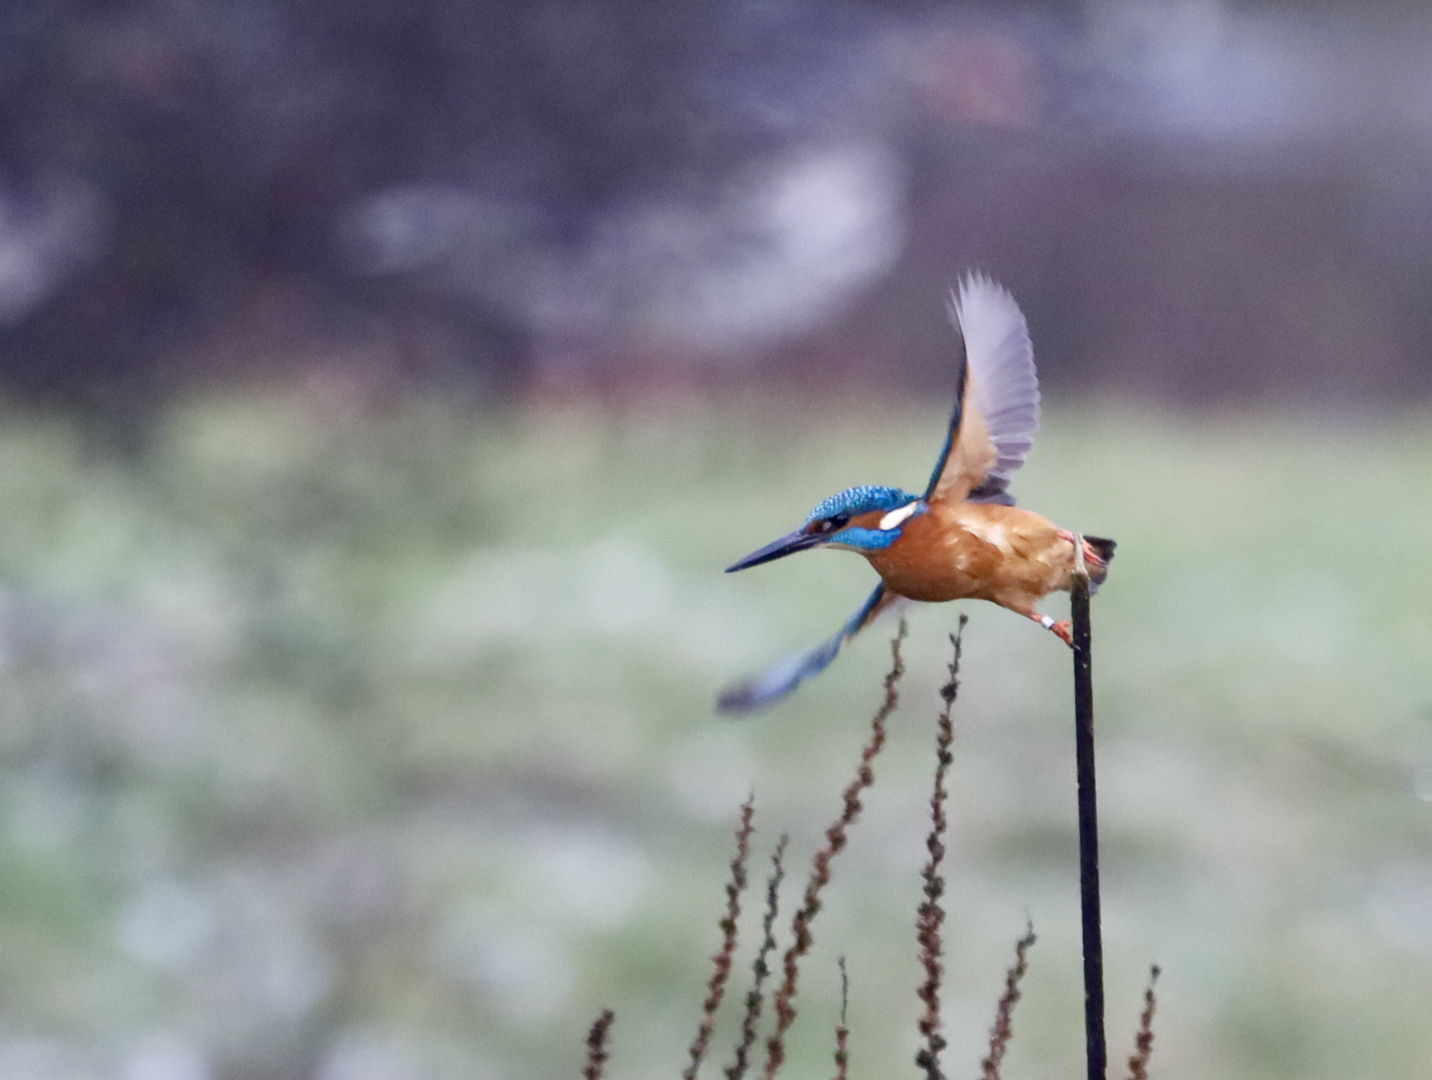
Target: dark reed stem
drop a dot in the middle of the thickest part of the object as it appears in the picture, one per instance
(721, 962)
(1095, 1049)
(597, 1045)
(842, 1032)
(1144, 1041)
(1002, 1030)
(760, 970)
(835, 837)
(931, 915)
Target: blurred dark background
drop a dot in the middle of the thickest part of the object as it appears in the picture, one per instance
(1203, 201)
(385, 383)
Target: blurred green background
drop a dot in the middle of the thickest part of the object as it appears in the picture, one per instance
(384, 387)
(356, 746)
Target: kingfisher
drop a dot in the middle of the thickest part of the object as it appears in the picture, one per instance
(964, 538)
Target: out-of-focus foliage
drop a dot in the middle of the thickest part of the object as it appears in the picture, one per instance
(345, 746)
(1200, 200)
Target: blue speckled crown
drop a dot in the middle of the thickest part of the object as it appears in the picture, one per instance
(861, 500)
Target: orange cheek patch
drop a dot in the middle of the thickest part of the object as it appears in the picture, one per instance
(868, 521)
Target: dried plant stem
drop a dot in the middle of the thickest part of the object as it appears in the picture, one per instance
(931, 915)
(1003, 1028)
(1144, 1041)
(597, 1045)
(842, 1032)
(760, 969)
(820, 866)
(721, 962)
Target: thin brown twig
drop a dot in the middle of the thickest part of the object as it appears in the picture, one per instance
(1144, 1041)
(597, 1045)
(1003, 1029)
(842, 1032)
(931, 913)
(721, 969)
(820, 865)
(759, 970)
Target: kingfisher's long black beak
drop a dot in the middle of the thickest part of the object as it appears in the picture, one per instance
(776, 549)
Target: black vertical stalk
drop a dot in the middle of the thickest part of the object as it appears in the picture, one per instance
(1095, 1052)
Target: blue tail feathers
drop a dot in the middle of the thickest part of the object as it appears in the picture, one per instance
(1105, 548)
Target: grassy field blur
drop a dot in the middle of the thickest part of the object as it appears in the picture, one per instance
(355, 746)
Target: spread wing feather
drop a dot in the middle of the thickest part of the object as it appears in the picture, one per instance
(997, 413)
(953, 430)
(785, 675)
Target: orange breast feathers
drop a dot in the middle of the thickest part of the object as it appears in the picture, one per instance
(978, 551)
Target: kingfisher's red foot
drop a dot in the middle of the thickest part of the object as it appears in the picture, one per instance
(1063, 629)
(1091, 553)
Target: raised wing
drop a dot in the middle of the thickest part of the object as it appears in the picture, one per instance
(785, 675)
(997, 410)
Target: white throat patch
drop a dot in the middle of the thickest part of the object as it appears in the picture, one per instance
(895, 517)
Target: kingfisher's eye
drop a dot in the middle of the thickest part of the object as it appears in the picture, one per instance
(828, 525)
